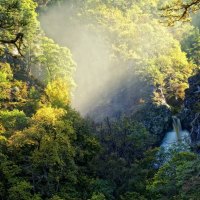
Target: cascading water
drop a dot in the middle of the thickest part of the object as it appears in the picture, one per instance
(174, 141)
(176, 136)
(177, 127)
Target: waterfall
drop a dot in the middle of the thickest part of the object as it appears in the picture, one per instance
(176, 136)
(176, 140)
(177, 127)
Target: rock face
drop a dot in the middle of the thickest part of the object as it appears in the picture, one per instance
(131, 95)
(134, 98)
(156, 118)
(190, 114)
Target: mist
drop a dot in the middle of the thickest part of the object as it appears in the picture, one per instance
(96, 77)
(99, 80)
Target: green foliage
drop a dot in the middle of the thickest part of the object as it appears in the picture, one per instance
(13, 120)
(18, 16)
(168, 183)
(22, 191)
(132, 196)
(97, 196)
(123, 142)
(48, 151)
(52, 61)
(55, 197)
(171, 73)
(191, 45)
(139, 43)
(102, 186)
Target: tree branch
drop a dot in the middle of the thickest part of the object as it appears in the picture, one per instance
(180, 11)
(19, 37)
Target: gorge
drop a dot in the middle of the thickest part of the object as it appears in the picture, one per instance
(99, 100)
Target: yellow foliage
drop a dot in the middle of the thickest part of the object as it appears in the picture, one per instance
(2, 129)
(180, 90)
(5, 76)
(59, 92)
(47, 116)
(5, 68)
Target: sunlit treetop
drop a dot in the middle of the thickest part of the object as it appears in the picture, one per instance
(179, 10)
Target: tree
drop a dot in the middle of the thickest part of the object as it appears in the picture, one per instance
(18, 22)
(124, 142)
(169, 74)
(22, 191)
(47, 143)
(59, 92)
(13, 120)
(53, 154)
(191, 45)
(169, 182)
(179, 10)
(97, 196)
(51, 61)
(5, 76)
(143, 47)
(132, 196)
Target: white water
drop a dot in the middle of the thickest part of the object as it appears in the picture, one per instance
(176, 136)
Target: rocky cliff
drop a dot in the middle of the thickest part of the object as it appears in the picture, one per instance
(190, 114)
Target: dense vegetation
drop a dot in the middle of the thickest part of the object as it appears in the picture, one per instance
(49, 151)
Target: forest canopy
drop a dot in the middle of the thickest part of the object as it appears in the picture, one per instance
(88, 91)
